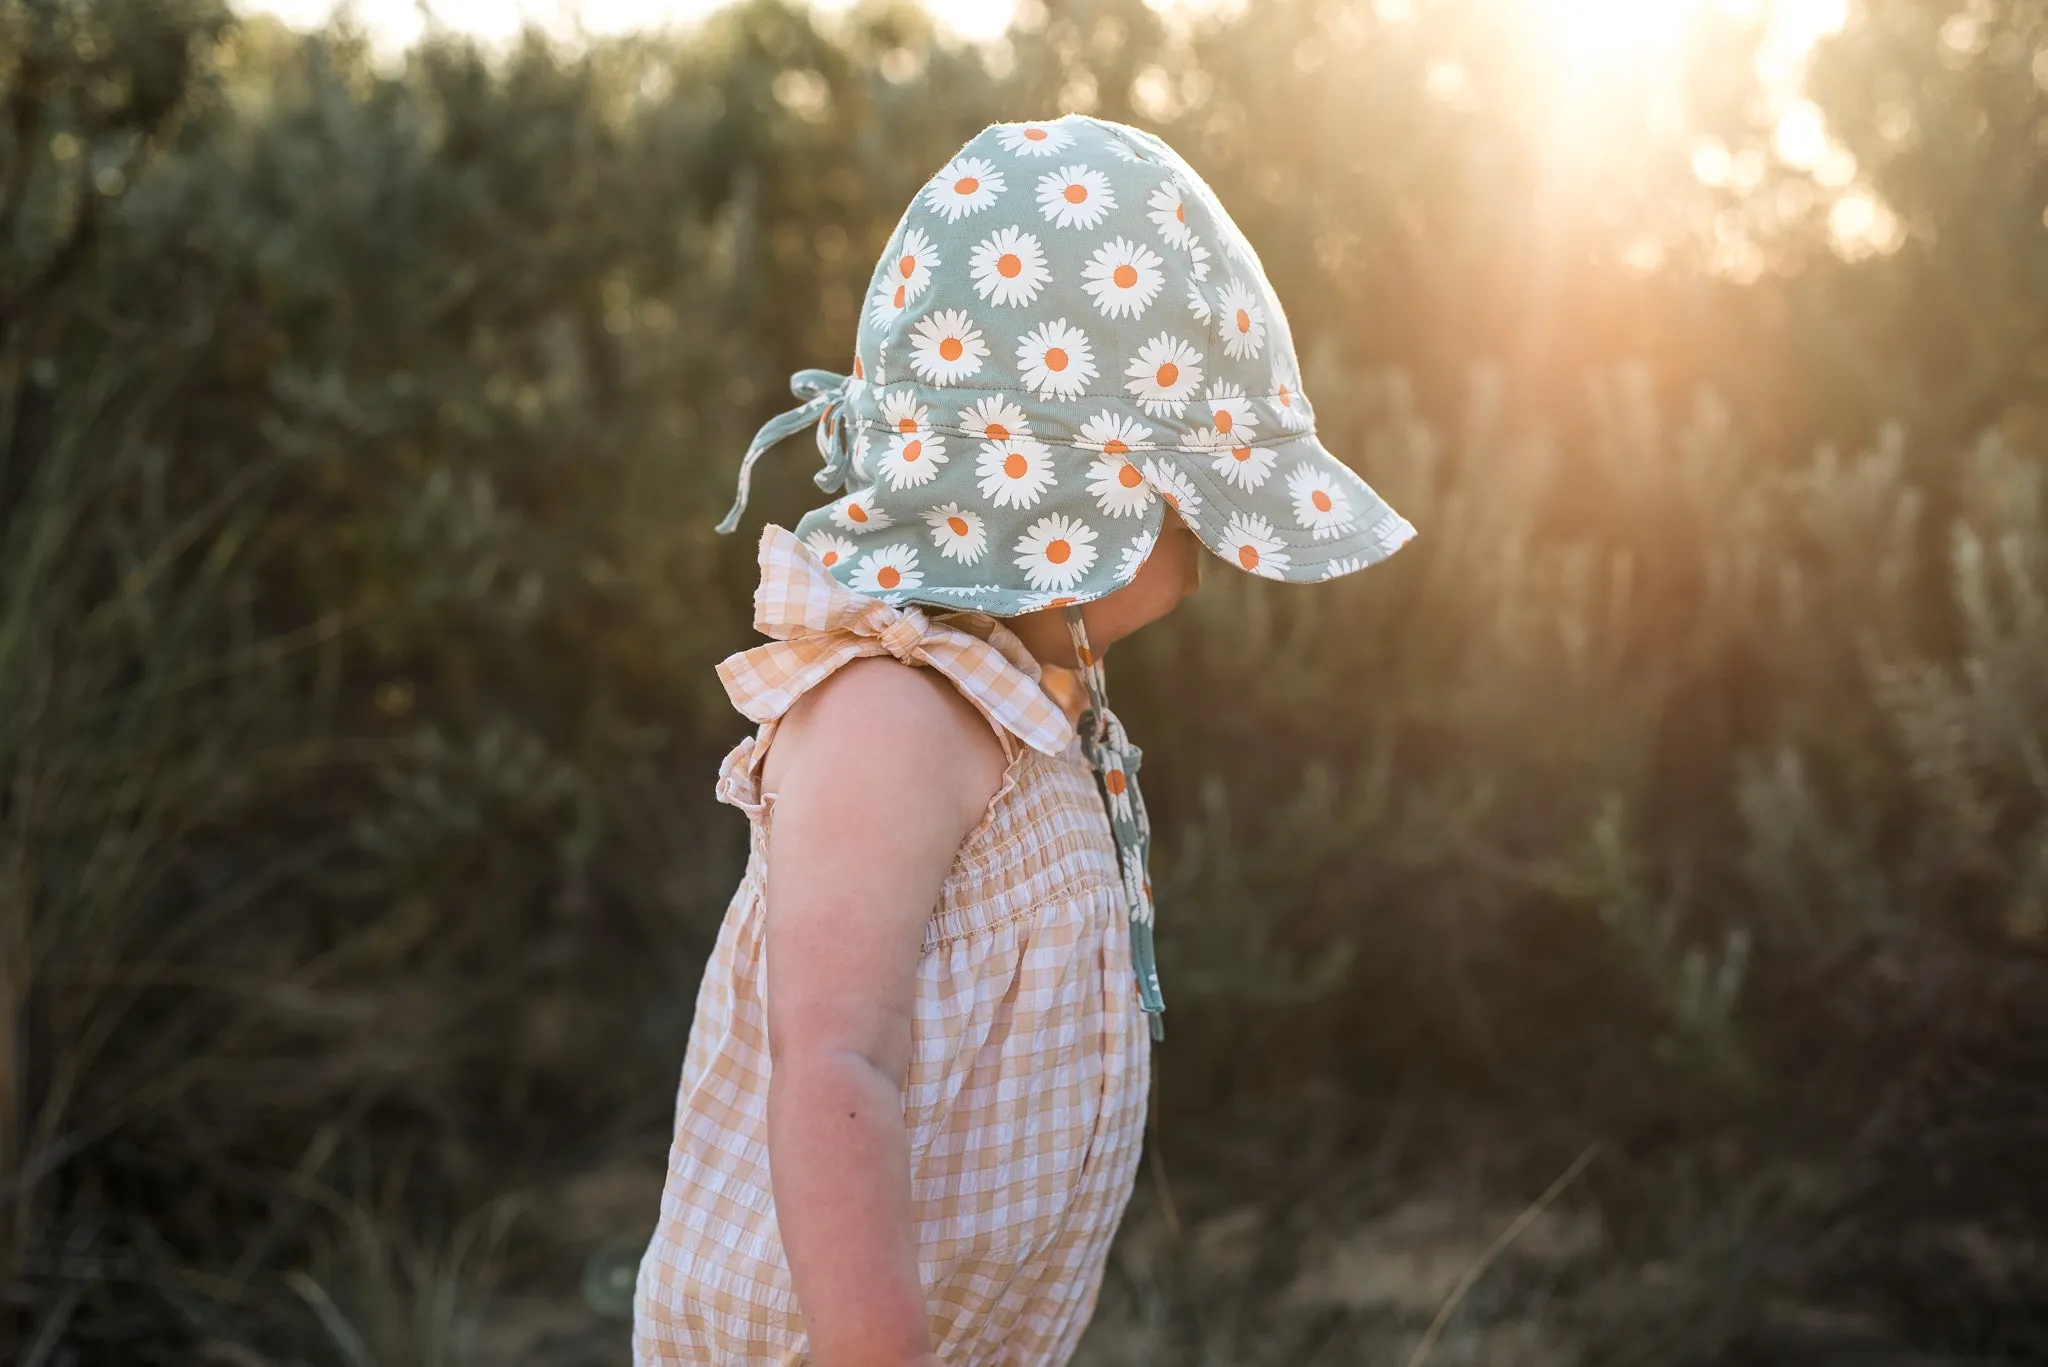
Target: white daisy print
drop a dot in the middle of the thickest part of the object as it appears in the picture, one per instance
(912, 269)
(1198, 303)
(902, 412)
(958, 532)
(1169, 213)
(1242, 464)
(1118, 487)
(1177, 489)
(857, 382)
(887, 305)
(829, 549)
(1138, 893)
(1033, 139)
(1113, 434)
(1123, 278)
(1236, 243)
(1392, 532)
(1133, 557)
(1230, 412)
(1016, 473)
(1056, 551)
(1117, 786)
(1198, 260)
(1033, 602)
(913, 458)
(1008, 267)
(1249, 540)
(1125, 151)
(1076, 197)
(1320, 503)
(1055, 361)
(1244, 322)
(860, 451)
(1287, 402)
(1350, 564)
(946, 347)
(968, 185)
(890, 570)
(858, 513)
(1164, 375)
(995, 419)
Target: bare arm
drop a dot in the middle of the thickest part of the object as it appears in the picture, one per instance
(878, 775)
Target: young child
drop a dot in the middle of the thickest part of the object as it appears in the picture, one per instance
(910, 1110)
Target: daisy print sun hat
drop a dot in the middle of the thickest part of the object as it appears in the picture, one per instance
(1066, 336)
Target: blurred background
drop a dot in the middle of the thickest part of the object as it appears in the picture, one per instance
(1613, 932)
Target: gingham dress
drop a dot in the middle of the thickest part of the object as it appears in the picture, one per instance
(1026, 1092)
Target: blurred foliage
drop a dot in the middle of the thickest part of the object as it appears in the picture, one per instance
(362, 427)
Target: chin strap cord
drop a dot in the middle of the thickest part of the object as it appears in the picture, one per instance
(1115, 761)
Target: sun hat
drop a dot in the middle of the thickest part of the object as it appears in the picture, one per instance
(1065, 336)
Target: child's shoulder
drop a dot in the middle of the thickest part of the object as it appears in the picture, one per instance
(876, 717)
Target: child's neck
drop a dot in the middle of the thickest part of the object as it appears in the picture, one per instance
(1065, 688)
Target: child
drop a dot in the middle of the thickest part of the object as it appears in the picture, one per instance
(910, 1110)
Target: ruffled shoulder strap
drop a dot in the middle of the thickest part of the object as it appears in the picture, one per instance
(819, 626)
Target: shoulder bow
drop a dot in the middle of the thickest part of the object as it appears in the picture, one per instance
(820, 626)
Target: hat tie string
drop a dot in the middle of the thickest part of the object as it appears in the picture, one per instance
(1115, 761)
(824, 396)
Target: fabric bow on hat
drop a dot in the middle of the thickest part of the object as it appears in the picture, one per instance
(824, 395)
(820, 626)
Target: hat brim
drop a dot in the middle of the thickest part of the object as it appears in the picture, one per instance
(1358, 529)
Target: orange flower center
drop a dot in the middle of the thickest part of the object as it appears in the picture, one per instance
(1014, 465)
(1058, 552)
(1167, 375)
(1008, 264)
(958, 525)
(907, 267)
(1285, 401)
(1113, 447)
(831, 559)
(1125, 276)
(887, 577)
(899, 295)
(1077, 194)
(1224, 420)
(1241, 453)
(1321, 500)
(1115, 781)
(950, 349)
(856, 513)
(1180, 212)
(906, 424)
(1248, 556)
(997, 432)
(1055, 359)
(1035, 134)
(966, 185)
(1129, 476)
(912, 450)
(1244, 321)
(859, 371)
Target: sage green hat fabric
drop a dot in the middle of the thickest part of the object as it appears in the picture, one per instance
(1065, 336)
